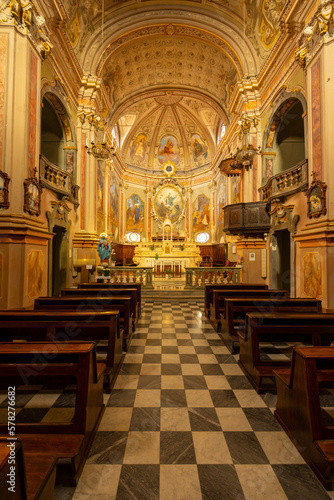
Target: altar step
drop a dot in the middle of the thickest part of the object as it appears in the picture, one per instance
(172, 294)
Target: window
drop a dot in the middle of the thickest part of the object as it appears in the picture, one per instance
(202, 238)
(133, 237)
(221, 132)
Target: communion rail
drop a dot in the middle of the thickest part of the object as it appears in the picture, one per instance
(197, 277)
(124, 274)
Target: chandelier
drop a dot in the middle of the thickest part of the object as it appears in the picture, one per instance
(101, 150)
(244, 156)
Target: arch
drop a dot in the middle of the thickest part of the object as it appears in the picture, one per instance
(58, 136)
(285, 136)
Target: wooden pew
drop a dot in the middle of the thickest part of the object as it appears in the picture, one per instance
(316, 329)
(31, 479)
(100, 284)
(121, 303)
(233, 322)
(110, 292)
(208, 295)
(218, 301)
(41, 362)
(40, 325)
(298, 408)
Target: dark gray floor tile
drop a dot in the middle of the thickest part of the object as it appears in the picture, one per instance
(203, 419)
(219, 482)
(245, 448)
(239, 382)
(203, 349)
(171, 369)
(139, 482)
(262, 419)
(66, 399)
(224, 398)
(298, 481)
(122, 397)
(130, 369)
(211, 369)
(177, 448)
(188, 358)
(184, 342)
(156, 342)
(169, 349)
(108, 448)
(173, 398)
(225, 359)
(194, 382)
(136, 349)
(152, 358)
(149, 382)
(30, 415)
(145, 419)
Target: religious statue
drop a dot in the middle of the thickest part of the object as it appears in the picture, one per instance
(104, 249)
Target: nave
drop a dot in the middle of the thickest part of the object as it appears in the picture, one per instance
(183, 422)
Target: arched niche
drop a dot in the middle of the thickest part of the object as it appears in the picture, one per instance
(285, 137)
(58, 140)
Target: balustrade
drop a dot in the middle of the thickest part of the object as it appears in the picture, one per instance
(287, 182)
(199, 276)
(57, 180)
(128, 275)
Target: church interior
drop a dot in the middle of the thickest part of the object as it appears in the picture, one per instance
(166, 236)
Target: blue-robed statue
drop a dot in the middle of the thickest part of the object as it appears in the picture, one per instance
(104, 249)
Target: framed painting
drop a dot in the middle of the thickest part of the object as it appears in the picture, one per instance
(169, 204)
(316, 198)
(32, 196)
(4, 192)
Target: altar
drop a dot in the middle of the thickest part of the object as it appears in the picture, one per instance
(167, 255)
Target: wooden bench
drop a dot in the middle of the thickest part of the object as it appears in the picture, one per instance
(36, 363)
(100, 284)
(234, 319)
(316, 329)
(121, 303)
(33, 478)
(40, 325)
(110, 292)
(217, 308)
(298, 408)
(208, 295)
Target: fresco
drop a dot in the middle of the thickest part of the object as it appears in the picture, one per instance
(236, 189)
(113, 204)
(168, 203)
(168, 150)
(69, 162)
(135, 214)
(221, 201)
(269, 168)
(201, 213)
(316, 117)
(199, 148)
(99, 197)
(35, 273)
(138, 148)
(313, 275)
(32, 114)
(270, 27)
(2, 190)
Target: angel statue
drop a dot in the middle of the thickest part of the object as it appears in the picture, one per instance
(104, 249)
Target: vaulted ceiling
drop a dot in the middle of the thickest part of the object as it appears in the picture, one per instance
(170, 69)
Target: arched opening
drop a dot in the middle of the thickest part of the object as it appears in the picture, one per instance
(52, 136)
(290, 139)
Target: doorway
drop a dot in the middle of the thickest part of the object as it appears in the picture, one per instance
(283, 259)
(60, 250)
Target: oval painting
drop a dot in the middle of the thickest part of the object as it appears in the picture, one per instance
(168, 203)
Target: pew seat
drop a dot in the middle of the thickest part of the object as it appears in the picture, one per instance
(316, 329)
(100, 284)
(35, 363)
(234, 320)
(43, 325)
(299, 410)
(208, 295)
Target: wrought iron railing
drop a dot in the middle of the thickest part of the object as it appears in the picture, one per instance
(57, 180)
(287, 182)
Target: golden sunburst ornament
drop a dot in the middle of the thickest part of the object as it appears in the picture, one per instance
(169, 168)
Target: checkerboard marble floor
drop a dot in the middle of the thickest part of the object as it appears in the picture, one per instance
(183, 422)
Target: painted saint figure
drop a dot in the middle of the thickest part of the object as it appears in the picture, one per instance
(104, 249)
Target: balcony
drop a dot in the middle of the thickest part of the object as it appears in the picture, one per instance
(286, 183)
(57, 180)
(249, 219)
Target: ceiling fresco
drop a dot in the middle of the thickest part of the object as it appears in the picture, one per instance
(168, 128)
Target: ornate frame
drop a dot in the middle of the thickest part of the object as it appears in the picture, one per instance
(171, 183)
(32, 205)
(4, 178)
(316, 198)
